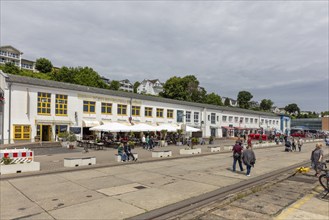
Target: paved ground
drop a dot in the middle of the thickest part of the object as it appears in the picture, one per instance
(118, 192)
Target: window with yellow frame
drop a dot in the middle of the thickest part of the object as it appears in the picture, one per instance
(122, 109)
(61, 105)
(170, 113)
(159, 112)
(148, 112)
(89, 107)
(22, 132)
(44, 101)
(106, 108)
(136, 111)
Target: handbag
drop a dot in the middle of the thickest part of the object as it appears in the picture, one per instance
(236, 155)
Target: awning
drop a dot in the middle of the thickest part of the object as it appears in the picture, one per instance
(168, 127)
(112, 127)
(192, 129)
(142, 127)
(227, 127)
(90, 123)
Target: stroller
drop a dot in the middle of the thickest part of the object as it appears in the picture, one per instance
(287, 146)
(327, 141)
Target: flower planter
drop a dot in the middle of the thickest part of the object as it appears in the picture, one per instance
(190, 151)
(20, 167)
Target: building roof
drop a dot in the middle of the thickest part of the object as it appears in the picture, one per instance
(11, 47)
(61, 85)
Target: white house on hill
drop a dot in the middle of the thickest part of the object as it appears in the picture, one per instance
(152, 87)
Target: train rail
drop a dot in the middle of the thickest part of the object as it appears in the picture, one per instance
(189, 205)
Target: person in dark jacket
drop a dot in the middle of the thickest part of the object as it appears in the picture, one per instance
(237, 152)
(249, 159)
(127, 150)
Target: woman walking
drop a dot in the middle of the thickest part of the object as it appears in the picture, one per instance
(316, 158)
(249, 159)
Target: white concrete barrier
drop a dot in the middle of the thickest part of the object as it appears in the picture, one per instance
(190, 151)
(20, 167)
(75, 162)
(166, 153)
(214, 149)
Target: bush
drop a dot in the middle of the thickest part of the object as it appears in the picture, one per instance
(6, 160)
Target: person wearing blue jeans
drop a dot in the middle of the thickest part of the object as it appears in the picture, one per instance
(237, 152)
(249, 159)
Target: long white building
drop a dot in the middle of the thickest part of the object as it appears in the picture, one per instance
(33, 107)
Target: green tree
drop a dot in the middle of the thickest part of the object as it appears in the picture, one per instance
(11, 68)
(227, 102)
(244, 98)
(266, 104)
(114, 85)
(292, 108)
(324, 113)
(136, 84)
(43, 65)
(213, 99)
(186, 88)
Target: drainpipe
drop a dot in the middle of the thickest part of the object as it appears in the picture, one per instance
(9, 114)
(2, 121)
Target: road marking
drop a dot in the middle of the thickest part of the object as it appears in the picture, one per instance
(294, 207)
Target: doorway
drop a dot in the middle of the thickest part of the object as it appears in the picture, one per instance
(44, 132)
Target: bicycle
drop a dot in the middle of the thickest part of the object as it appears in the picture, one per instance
(324, 178)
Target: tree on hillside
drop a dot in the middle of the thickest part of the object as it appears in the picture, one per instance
(292, 108)
(213, 99)
(114, 85)
(227, 102)
(324, 113)
(186, 88)
(43, 65)
(136, 84)
(244, 98)
(11, 68)
(64, 74)
(266, 104)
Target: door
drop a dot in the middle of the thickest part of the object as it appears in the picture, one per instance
(44, 132)
(213, 132)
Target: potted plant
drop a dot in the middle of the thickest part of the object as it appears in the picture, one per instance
(194, 141)
(163, 137)
(62, 137)
(131, 144)
(211, 140)
(72, 138)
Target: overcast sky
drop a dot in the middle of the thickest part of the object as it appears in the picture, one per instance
(274, 49)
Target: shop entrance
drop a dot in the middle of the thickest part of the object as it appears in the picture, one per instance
(44, 132)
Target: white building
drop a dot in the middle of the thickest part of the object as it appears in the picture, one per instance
(125, 85)
(9, 54)
(151, 87)
(233, 102)
(35, 107)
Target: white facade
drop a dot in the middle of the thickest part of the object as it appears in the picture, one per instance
(125, 85)
(21, 109)
(151, 87)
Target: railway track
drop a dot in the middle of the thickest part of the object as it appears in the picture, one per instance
(231, 193)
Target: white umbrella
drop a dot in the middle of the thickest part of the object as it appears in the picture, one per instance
(168, 127)
(191, 129)
(111, 127)
(142, 127)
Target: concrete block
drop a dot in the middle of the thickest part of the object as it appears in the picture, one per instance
(75, 162)
(214, 149)
(166, 153)
(190, 151)
(229, 148)
(20, 167)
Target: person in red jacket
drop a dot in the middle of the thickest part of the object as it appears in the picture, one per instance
(237, 153)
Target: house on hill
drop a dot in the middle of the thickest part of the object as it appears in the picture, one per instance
(152, 87)
(9, 54)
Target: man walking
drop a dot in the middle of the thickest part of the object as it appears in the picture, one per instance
(237, 152)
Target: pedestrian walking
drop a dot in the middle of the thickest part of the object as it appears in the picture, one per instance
(237, 152)
(300, 144)
(144, 141)
(249, 159)
(147, 139)
(249, 141)
(316, 159)
(294, 144)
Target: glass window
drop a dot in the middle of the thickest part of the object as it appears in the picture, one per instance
(188, 116)
(170, 113)
(22, 132)
(247, 120)
(44, 101)
(213, 118)
(60, 129)
(106, 108)
(241, 120)
(236, 119)
(148, 112)
(61, 105)
(224, 118)
(196, 117)
(230, 118)
(136, 111)
(122, 109)
(180, 114)
(159, 112)
(89, 107)
(256, 120)
(251, 120)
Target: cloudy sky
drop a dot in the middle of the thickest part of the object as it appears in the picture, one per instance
(274, 49)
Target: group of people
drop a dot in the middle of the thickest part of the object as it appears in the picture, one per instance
(148, 142)
(293, 144)
(247, 156)
(124, 150)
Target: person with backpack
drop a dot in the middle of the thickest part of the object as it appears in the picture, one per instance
(237, 152)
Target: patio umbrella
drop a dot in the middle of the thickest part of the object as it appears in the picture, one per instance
(142, 127)
(168, 127)
(112, 127)
(191, 129)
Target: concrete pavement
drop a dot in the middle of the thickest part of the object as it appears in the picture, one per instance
(122, 190)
